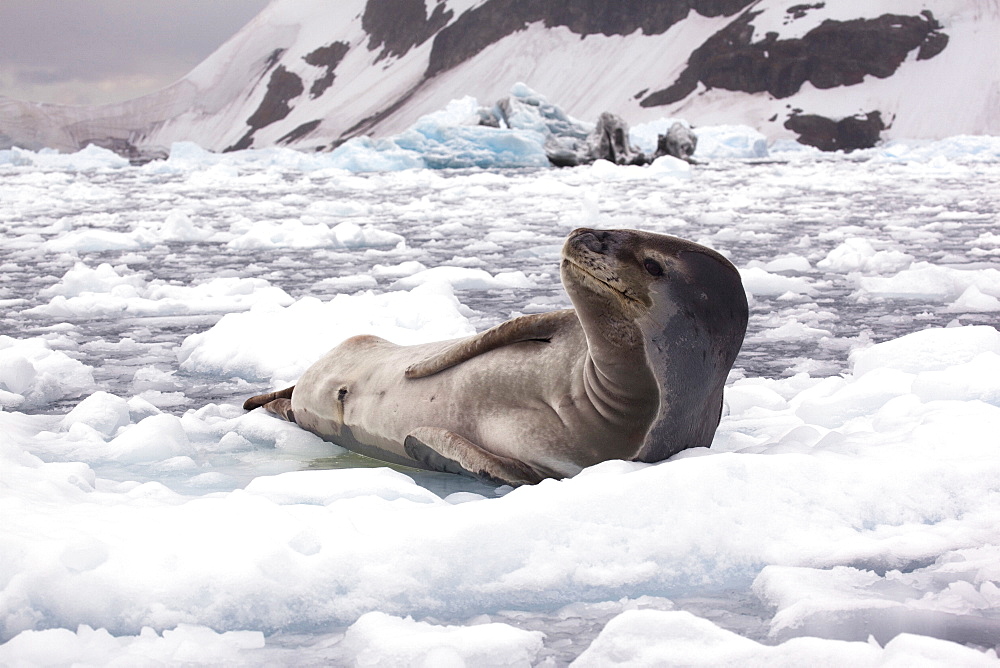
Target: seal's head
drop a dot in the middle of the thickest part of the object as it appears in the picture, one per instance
(652, 278)
(683, 303)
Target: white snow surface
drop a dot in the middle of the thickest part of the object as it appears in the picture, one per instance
(846, 513)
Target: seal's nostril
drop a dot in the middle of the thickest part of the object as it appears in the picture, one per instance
(593, 241)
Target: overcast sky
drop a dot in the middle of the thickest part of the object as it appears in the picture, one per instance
(98, 51)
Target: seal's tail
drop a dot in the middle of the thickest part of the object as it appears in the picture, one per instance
(263, 399)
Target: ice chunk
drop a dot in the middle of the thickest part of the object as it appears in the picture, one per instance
(678, 638)
(82, 279)
(296, 234)
(645, 135)
(445, 146)
(179, 226)
(352, 283)
(407, 268)
(527, 109)
(186, 156)
(974, 301)
(521, 130)
(107, 291)
(184, 645)
(96, 240)
(381, 639)
(730, 141)
(962, 147)
(791, 331)
(977, 379)
(834, 401)
(364, 154)
(461, 278)
(154, 438)
(788, 263)
(668, 165)
(760, 282)
(934, 349)
(744, 395)
(285, 341)
(32, 374)
(858, 254)
(104, 412)
(90, 158)
(950, 599)
(351, 235)
(450, 138)
(930, 282)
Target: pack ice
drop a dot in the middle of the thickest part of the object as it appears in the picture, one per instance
(845, 514)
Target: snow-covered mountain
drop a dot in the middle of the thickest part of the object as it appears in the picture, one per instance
(311, 74)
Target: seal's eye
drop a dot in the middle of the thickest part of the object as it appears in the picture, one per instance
(653, 267)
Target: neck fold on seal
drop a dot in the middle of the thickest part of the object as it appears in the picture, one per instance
(619, 381)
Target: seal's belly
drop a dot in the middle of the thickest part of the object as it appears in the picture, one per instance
(521, 397)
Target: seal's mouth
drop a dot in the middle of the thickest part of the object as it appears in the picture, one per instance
(593, 278)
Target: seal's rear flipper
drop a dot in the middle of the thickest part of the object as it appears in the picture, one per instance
(263, 399)
(443, 450)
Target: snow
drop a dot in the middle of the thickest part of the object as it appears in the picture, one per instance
(845, 514)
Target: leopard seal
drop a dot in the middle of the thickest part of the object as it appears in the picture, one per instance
(635, 371)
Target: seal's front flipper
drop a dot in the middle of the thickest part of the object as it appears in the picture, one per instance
(536, 327)
(443, 450)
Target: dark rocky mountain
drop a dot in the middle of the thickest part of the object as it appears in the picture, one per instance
(834, 53)
(837, 75)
